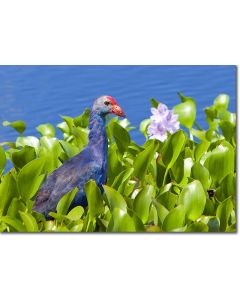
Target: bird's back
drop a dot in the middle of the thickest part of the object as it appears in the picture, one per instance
(75, 172)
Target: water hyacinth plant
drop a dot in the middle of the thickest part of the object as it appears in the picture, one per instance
(179, 180)
(163, 121)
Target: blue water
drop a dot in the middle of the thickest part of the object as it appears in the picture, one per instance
(39, 94)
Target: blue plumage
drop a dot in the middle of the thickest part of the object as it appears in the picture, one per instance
(91, 163)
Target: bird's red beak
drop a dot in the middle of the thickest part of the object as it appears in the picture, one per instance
(117, 110)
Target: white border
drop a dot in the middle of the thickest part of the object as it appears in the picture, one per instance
(120, 266)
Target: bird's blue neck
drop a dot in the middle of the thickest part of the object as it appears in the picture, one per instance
(97, 134)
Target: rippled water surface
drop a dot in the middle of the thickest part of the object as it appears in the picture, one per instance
(39, 94)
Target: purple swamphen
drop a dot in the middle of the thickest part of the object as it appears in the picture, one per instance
(90, 163)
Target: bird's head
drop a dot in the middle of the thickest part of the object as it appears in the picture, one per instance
(107, 104)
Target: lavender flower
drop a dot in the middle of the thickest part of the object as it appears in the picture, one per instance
(162, 121)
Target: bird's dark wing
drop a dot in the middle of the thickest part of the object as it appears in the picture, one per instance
(73, 173)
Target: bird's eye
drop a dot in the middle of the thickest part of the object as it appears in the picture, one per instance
(106, 102)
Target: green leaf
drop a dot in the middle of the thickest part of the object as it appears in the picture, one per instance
(115, 199)
(186, 111)
(228, 129)
(177, 170)
(66, 200)
(19, 125)
(200, 150)
(221, 102)
(121, 221)
(144, 126)
(75, 214)
(69, 121)
(197, 227)
(121, 137)
(211, 114)
(114, 165)
(30, 141)
(29, 222)
(193, 199)
(3, 159)
(221, 158)
(142, 202)
(83, 119)
(199, 172)
(122, 179)
(8, 190)
(223, 213)
(227, 187)
(28, 180)
(16, 224)
(154, 102)
(200, 134)
(95, 201)
(69, 149)
(22, 157)
(175, 219)
(172, 148)
(162, 212)
(144, 159)
(46, 130)
(168, 199)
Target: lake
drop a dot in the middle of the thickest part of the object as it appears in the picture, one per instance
(39, 94)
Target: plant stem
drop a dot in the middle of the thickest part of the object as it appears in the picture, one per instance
(197, 125)
(165, 177)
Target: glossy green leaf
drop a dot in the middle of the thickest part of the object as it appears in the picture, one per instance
(94, 197)
(19, 125)
(28, 178)
(211, 114)
(168, 199)
(227, 187)
(22, 157)
(70, 150)
(75, 214)
(221, 102)
(144, 159)
(144, 126)
(201, 173)
(142, 202)
(16, 224)
(228, 129)
(200, 134)
(223, 213)
(175, 219)
(121, 137)
(172, 148)
(114, 165)
(3, 159)
(122, 179)
(30, 141)
(193, 199)
(46, 130)
(200, 150)
(8, 190)
(121, 221)
(65, 201)
(162, 212)
(82, 120)
(115, 199)
(197, 227)
(221, 158)
(29, 222)
(186, 111)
